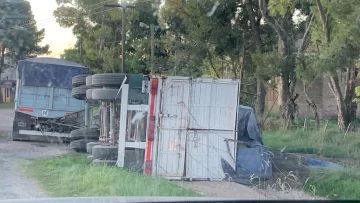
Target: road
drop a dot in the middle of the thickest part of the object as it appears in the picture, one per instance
(14, 184)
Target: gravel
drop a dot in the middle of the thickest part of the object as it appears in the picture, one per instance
(14, 184)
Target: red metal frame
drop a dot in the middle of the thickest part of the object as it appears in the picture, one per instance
(150, 126)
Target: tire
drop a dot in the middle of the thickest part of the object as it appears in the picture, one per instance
(79, 92)
(85, 133)
(79, 145)
(105, 152)
(89, 94)
(90, 145)
(88, 81)
(79, 80)
(108, 79)
(106, 94)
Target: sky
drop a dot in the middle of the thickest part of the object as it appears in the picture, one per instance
(57, 37)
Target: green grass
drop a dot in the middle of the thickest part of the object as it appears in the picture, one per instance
(340, 184)
(334, 184)
(3, 134)
(330, 143)
(72, 175)
(9, 105)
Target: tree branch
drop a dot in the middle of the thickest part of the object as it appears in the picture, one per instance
(212, 64)
(324, 19)
(273, 23)
(306, 34)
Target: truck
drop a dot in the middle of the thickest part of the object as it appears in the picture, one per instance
(44, 106)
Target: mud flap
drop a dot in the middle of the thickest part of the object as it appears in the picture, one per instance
(16, 136)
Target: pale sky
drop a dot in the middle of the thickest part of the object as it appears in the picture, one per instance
(57, 37)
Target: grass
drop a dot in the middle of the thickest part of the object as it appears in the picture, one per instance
(340, 184)
(334, 184)
(73, 176)
(8, 105)
(329, 143)
(3, 134)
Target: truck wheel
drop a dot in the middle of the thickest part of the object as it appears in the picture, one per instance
(100, 162)
(105, 152)
(79, 80)
(87, 133)
(79, 92)
(89, 81)
(89, 94)
(108, 79)
(90, 145)
(105, 94)
(79, 145)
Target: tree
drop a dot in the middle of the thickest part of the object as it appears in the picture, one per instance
(279, 15)
(204, 37)
(20, 37)
(99, 34)
(335, 38)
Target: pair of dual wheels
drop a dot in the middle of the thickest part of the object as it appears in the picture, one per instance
(90, 87)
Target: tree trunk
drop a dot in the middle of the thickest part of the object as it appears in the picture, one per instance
(313, 107)
(2, 66)
(342, 112)
(261, 96)
(261, 89)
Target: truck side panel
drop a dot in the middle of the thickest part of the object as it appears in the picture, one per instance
(57, 101)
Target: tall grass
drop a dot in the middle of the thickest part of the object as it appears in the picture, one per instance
(328, 142)
(72, 175)
(340, 184)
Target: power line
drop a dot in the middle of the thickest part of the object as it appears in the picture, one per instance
(82, 12)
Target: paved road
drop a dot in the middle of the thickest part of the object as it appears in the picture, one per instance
(13, 183)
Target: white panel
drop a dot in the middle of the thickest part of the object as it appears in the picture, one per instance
(50, 134)
(173, 125)
(213, 105)
(171, 156)
(205, 149)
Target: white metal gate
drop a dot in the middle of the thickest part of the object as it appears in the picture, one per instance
(213, 110)
(196, 117)
(173, 125)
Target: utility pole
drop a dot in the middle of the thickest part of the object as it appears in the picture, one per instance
(152, 33)
(124, 7)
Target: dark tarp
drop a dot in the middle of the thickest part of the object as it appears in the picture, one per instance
(49, 72)
(248, 129)
(252, 157)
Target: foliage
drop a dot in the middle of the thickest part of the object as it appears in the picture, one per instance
(204, 37)
(20, 37)
(99, 34)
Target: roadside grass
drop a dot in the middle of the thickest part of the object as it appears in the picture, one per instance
(72, 176)
(3, 135)
(339, 184)
(9, 105)
(329, 143)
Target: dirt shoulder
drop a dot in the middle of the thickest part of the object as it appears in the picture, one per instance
(14, 184)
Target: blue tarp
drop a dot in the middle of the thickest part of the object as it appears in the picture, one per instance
(49, 72)
(316, 163)
(248, 129)
(252, 158)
